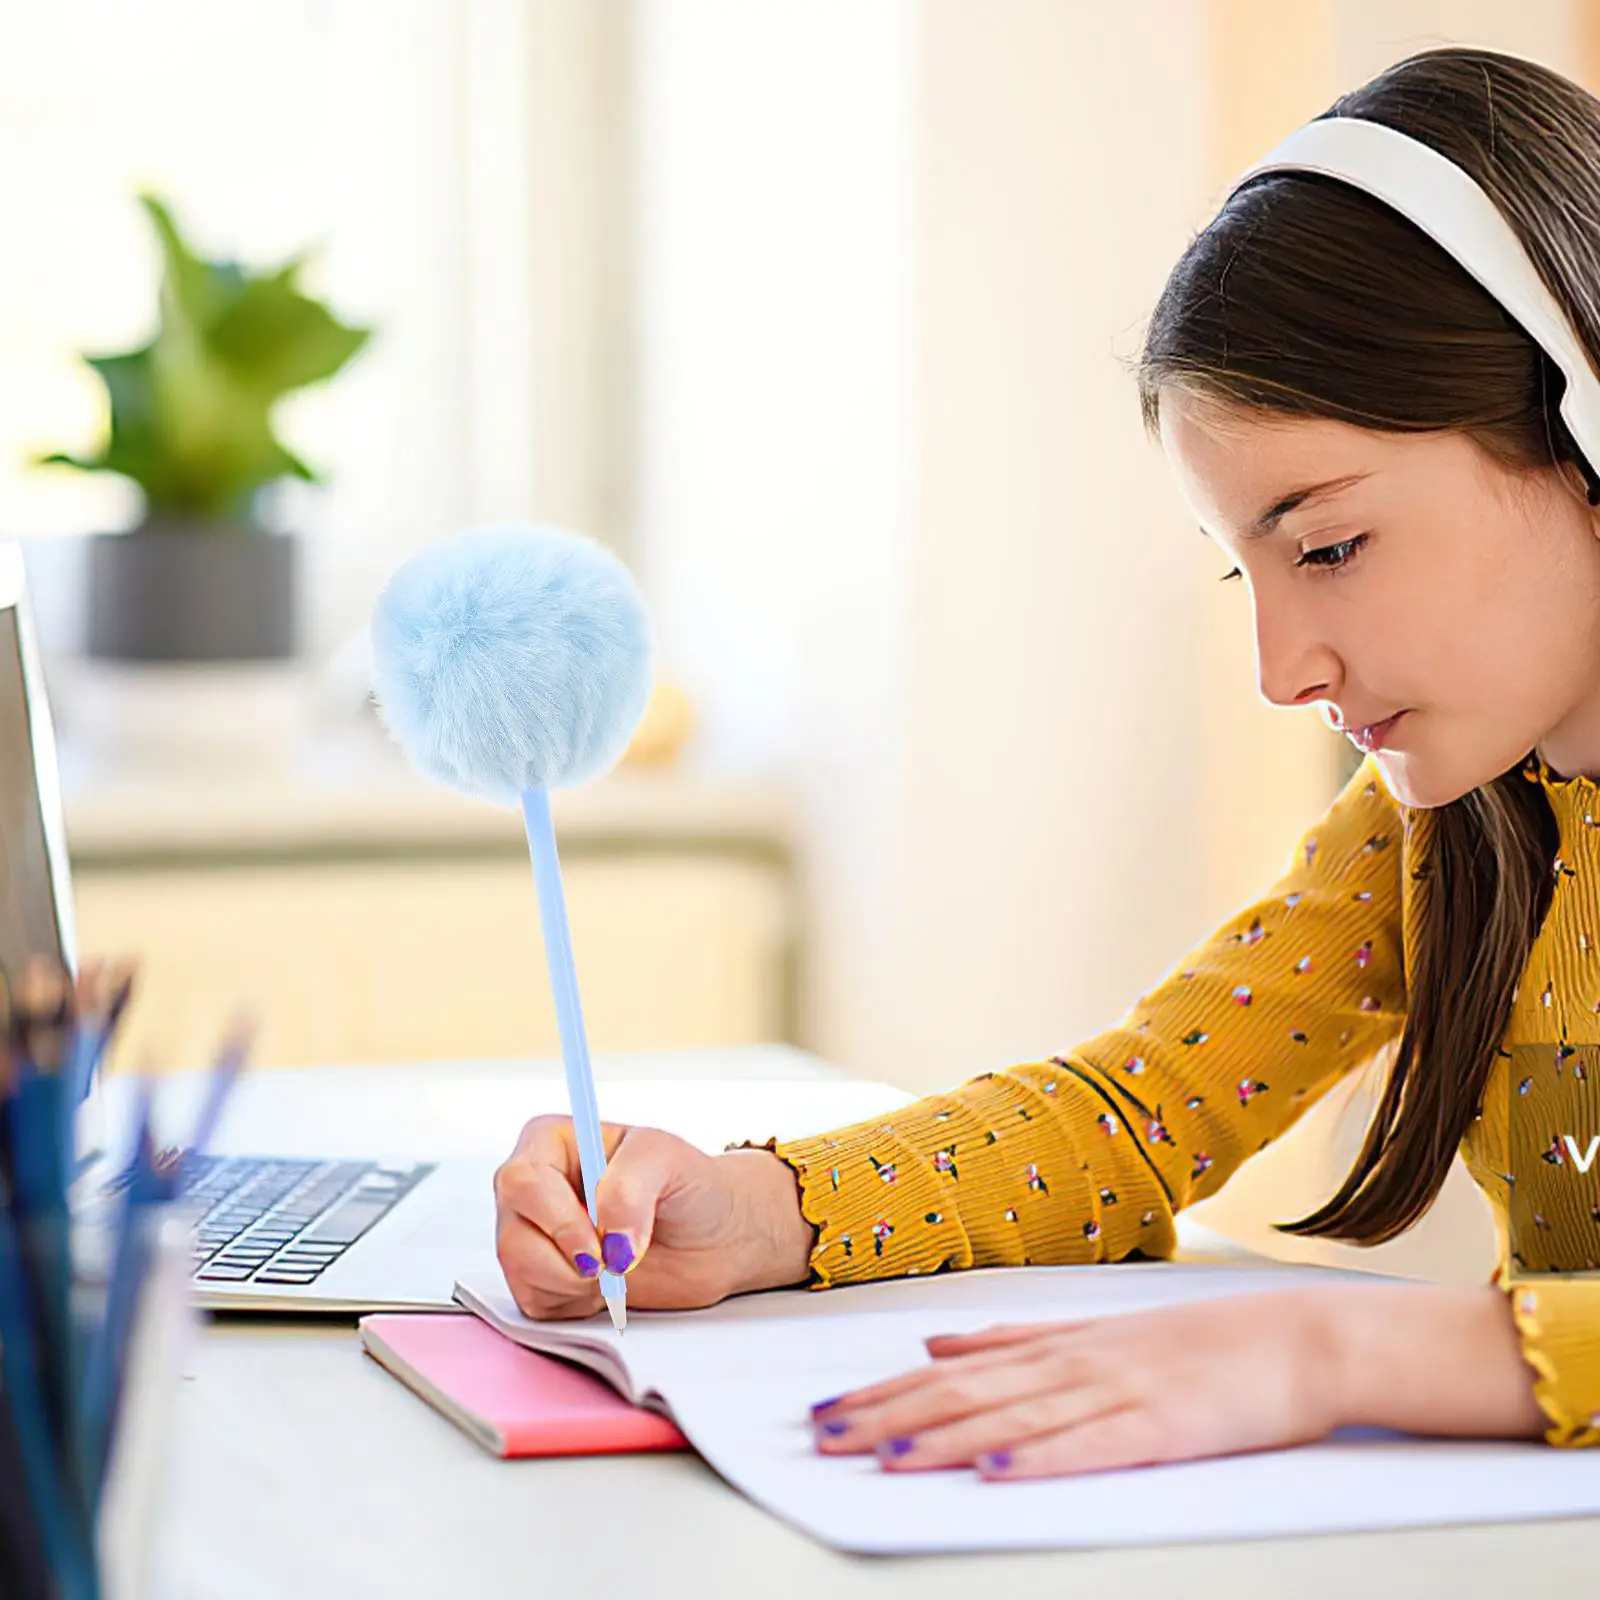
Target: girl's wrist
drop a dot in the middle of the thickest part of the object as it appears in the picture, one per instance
(775, 1238)
(1425, 1359)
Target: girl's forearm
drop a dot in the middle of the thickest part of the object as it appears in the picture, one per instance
(1429, 1360)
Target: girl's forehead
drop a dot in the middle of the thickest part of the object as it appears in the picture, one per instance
(1236, 465)
(1218, 431)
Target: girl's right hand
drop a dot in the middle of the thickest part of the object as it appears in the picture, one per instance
(686, 1228)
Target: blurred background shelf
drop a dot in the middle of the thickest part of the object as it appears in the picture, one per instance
(367, 916)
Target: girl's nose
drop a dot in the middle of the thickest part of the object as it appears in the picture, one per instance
(1292, 668)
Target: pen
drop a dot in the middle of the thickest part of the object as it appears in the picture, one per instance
(569, 1019)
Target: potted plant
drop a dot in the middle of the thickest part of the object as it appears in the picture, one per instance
(199, 579)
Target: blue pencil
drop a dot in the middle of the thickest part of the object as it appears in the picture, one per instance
(224, 1074)
(148, 1189)
(44, 1231)
(62, 1525)
(586, 1125)
(129, 1263)
(23, 1573)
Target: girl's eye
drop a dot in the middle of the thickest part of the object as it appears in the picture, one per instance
(1330, 557)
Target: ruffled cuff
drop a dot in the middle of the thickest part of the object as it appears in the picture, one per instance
(908, 1227)
(1559, 1323)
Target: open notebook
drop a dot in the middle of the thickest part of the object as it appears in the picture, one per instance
(514, 1402)
(739, 1380)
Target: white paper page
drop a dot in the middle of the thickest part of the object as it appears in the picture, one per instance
(740, 1380)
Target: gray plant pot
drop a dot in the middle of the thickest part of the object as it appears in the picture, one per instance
(175, 592)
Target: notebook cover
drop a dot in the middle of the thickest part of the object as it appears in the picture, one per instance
(513, 1401)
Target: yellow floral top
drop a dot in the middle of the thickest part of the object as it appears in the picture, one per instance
(1088, 1156)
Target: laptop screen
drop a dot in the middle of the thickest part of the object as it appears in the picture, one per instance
(35, 883)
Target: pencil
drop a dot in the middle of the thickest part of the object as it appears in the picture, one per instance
(128, 1262)
(42, 1007)
(23, 1573)
(62, 1532)
(541, 834)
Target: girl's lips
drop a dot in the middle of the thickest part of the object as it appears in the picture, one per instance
(1374, 735)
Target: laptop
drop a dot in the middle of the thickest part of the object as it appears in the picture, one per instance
(271, 1233)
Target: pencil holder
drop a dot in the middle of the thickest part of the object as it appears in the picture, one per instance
(139, 1468)
(23, 1573)
(128, 1552)
(95, 1304)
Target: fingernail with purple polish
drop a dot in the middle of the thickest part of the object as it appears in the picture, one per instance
(618, 1252)
(833, 1427)
(586, 1264)
(995, 1461)
(825, 1405)
(893, 1449)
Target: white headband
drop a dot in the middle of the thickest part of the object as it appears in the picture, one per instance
(1432, 192)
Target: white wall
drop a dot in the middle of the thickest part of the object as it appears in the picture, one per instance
(1052, 844)
(897, 513)
(1370, 35)
(774, 252)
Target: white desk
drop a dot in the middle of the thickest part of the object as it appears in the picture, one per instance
(302, 1470)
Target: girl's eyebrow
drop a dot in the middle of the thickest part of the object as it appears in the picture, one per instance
(1274, 514)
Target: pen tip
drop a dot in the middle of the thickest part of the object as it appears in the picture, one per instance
(619, 1315)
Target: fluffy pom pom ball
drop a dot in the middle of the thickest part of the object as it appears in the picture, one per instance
(512, 658)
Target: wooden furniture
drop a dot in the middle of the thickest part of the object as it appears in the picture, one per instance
(366, 915)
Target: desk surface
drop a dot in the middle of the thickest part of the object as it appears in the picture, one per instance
(301, 1469)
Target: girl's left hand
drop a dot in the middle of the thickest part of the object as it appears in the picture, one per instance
(1238, 1373)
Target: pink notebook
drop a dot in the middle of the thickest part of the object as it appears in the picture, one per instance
(513, 1401)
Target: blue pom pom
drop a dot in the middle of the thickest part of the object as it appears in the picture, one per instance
(510, 659)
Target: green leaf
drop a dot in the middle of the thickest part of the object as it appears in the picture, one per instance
(274, 338)
(294, 467)
(191, 411)
(129, 384)
(200, 291)
(133, 448)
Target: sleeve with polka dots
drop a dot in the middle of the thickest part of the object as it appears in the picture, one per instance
(1087, 1156)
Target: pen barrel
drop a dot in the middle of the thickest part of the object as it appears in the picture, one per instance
(564, 988)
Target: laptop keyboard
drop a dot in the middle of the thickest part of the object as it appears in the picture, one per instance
(260, 1219)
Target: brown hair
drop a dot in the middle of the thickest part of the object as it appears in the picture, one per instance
(1308, 297)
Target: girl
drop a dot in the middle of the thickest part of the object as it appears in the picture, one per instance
(1374, 445)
